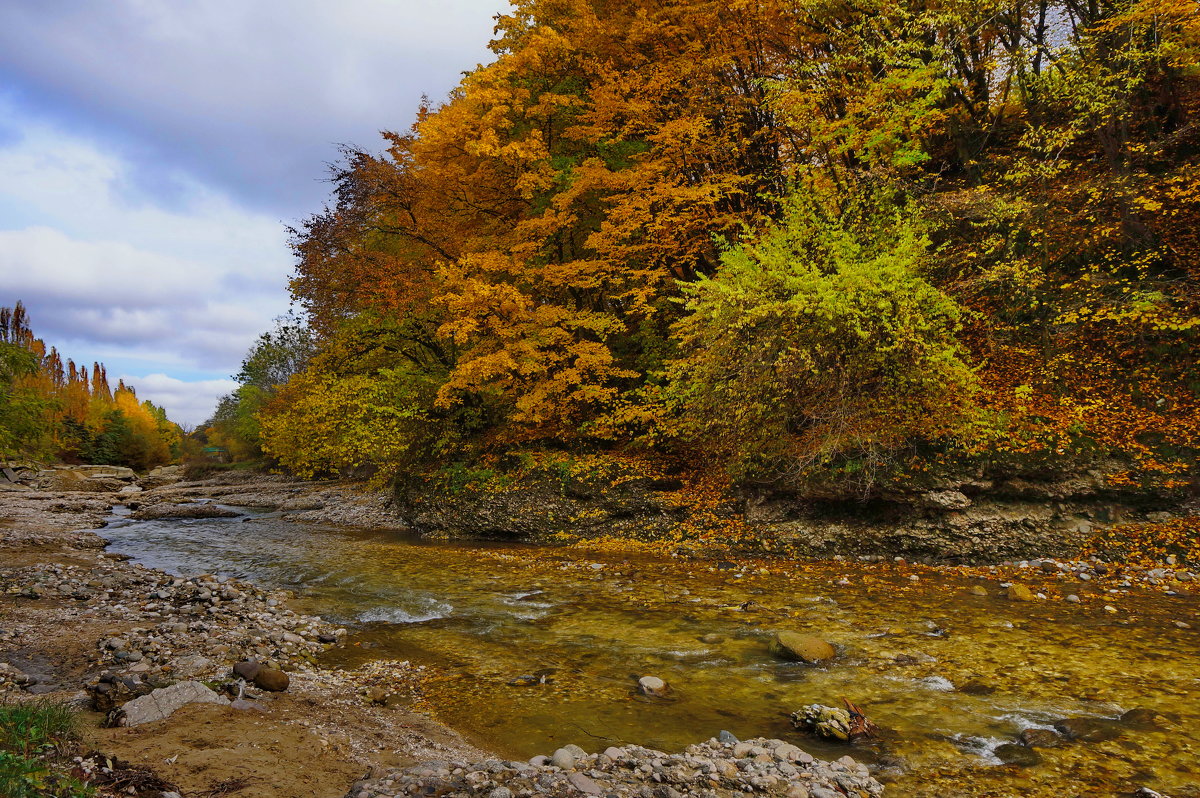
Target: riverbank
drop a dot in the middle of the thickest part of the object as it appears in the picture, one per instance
(135, 630)
(132, 629)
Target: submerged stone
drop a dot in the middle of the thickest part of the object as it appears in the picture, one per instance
(1013, 754)
(1041, 738)
(1142, 718)
(1088, 730)
(1018, 592)
(801, 648)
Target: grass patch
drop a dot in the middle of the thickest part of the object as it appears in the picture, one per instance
(34, 739)
(35, 726)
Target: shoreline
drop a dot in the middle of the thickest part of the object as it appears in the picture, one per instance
(134, 630)
(138, 628)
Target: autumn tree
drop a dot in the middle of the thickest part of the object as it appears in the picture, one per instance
(820, 347)
(537, 259)
(274, 358)
(52, 409)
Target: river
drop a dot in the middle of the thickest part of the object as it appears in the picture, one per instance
(536, 647)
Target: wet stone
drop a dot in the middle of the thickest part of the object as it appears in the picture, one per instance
(1040, 738)
(1141, 718)
(1017, 592)
(801, 648)
(1013, 754)
(1088, 730)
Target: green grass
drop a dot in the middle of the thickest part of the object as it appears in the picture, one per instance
(33, 727)
(34, 737)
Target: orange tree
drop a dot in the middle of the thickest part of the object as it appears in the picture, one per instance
(522, 252)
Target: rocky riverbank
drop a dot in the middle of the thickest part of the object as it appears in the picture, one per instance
(170, 645)
(719, 768)
(80, 625)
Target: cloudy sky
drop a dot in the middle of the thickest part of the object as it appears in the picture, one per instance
(152, 153)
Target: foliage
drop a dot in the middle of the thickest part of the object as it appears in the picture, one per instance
(794, 234)
(820, 343)
(1150, 543)
(275, 357)
(54, 410)
(367, 399)
(27, 728)
(31, 734)
(343, 423)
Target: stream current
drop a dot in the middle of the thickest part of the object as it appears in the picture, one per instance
(537, 647)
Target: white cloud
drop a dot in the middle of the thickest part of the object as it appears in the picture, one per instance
(184, 288)
(186, 403)
(250, 94)
(152, 151)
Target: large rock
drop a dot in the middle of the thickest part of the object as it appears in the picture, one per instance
(106, 472)
(1018, 592)
(1088, 730)
(163, 475)
(272, 680)
(164, 511)
(77, 479)
(801, 648)
(161, 703)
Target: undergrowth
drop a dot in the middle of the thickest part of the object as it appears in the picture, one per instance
(34, 740)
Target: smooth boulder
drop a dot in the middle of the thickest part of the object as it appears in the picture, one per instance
(801, 648)
(271, 680)
(653, 686)
(247, 669)
(1018, 592)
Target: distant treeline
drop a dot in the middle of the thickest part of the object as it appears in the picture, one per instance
(54, 410)
(818, 241)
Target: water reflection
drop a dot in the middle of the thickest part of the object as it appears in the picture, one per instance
(950, 674)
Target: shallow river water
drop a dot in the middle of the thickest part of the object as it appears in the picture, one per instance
(539, 647)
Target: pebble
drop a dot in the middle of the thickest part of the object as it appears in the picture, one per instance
(192, 627)
(653, 686)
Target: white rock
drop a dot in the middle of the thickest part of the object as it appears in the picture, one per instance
(164, 701)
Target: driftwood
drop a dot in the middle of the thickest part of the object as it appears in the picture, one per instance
(860, 724)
